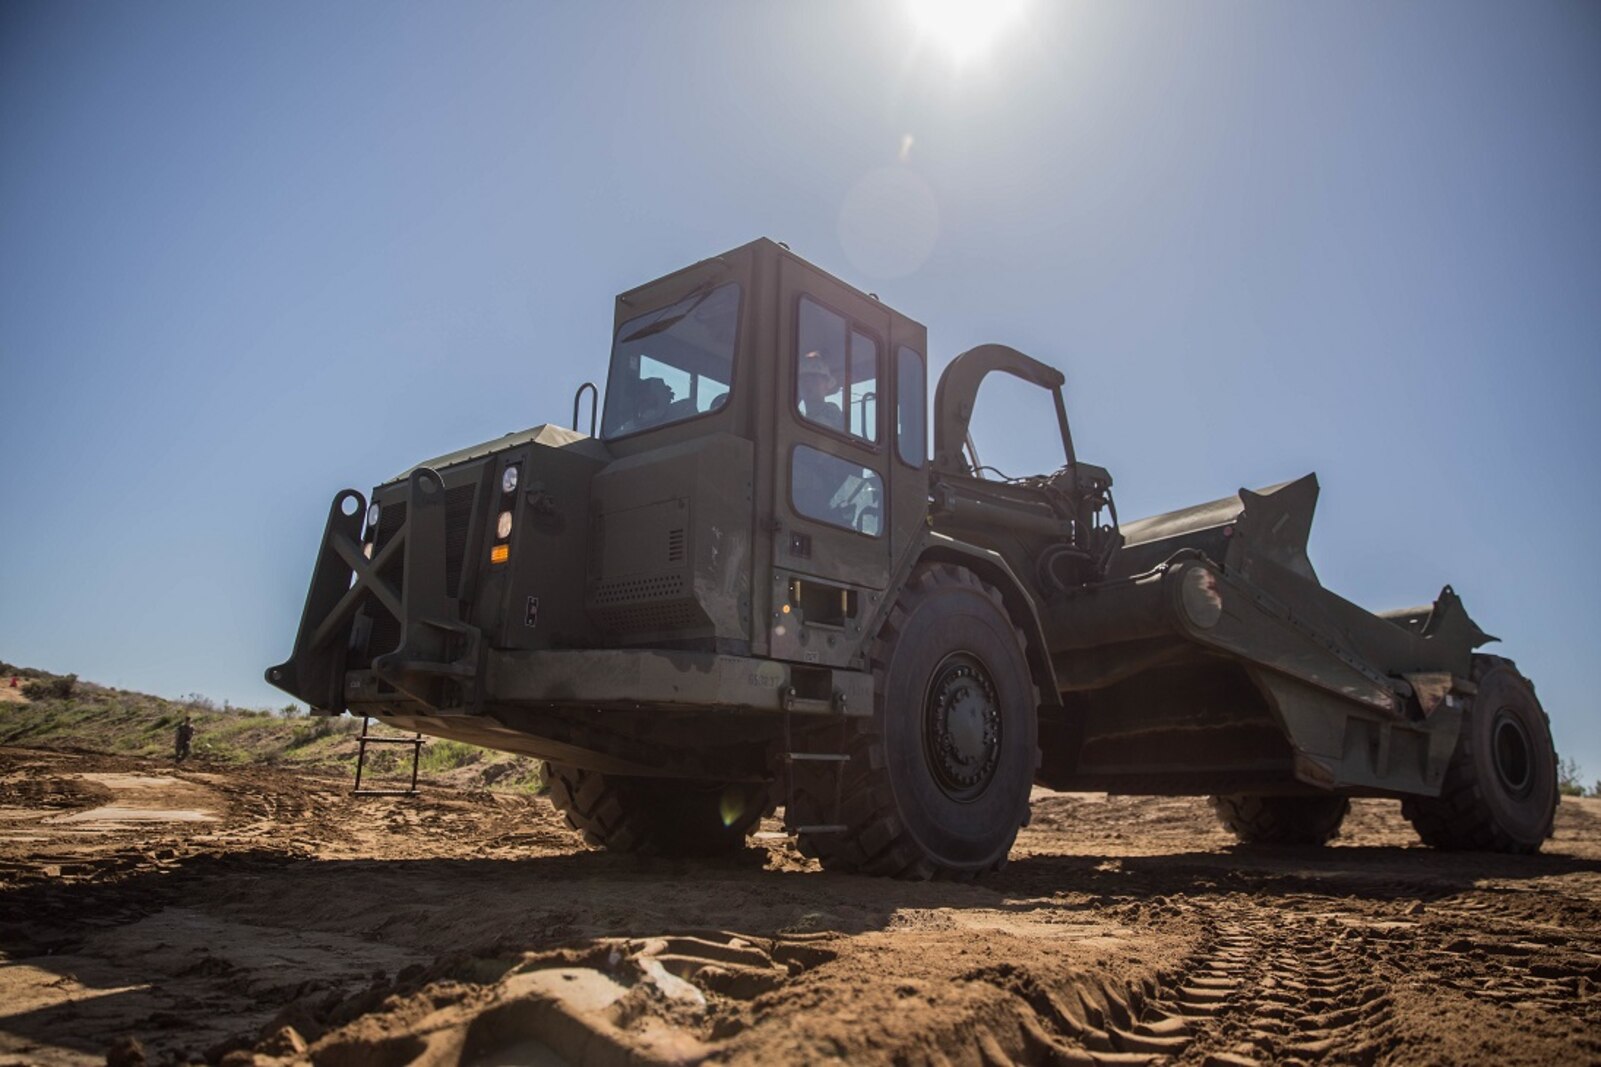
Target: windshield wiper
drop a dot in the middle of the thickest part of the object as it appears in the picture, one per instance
(662, 325)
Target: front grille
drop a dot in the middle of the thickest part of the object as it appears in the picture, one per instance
(458, 519)
(389, 523)
(384, 634)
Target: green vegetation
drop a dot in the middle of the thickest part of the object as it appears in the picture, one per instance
(62, 712)
(48, 688)
(1568, 775)
(446, 755)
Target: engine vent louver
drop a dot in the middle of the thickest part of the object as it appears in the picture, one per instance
(643, 585)
(658, 587)
(633, 618)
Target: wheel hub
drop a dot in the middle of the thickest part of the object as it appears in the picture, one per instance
(1513, 754)
(962, 727)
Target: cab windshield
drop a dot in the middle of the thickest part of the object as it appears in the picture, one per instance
(673, 363)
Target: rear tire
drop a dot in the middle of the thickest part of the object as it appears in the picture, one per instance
(938, 779)
(1292, 820)
(657, 816)
(1500, 792)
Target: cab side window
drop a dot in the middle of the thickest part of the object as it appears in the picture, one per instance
(836, 491)
(836, 373)
(911, 406)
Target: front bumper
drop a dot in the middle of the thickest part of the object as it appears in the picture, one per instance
(442, 665)
(641, 680)
(439, 657)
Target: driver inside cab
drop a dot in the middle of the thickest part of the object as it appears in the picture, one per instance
(651, 402)
(816, 382)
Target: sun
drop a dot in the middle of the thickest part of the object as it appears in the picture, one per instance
(965, 29)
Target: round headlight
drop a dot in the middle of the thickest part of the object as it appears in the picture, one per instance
(503, 527)
(372, 517)
(508, 480)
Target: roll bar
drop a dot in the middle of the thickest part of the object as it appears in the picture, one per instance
(958, 388)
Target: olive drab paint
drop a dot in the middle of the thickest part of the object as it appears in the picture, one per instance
(715, 574)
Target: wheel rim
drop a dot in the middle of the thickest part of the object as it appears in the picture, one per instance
(962, 727)
(1513, 754)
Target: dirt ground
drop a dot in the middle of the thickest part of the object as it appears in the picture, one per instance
(263, 915)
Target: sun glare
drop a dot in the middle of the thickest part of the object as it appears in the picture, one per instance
(965, 29)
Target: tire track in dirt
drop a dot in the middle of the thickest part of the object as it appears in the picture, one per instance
(1516, 948)
(1066, 1019)
(504, 939)
(1311, 994)
(605, 1001)
(1261, 987)
(1287, 980)
(1277, 976)
(1268, 987)
(1314, 978)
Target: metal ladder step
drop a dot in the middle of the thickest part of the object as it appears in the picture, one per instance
(790, 758)
(416, 742)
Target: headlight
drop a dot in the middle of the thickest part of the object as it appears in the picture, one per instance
(508, 480)
(372, 516)
(503, 527)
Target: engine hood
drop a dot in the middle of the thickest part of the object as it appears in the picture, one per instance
(547, 434)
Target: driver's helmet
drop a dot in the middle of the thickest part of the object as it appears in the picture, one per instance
(813, 364)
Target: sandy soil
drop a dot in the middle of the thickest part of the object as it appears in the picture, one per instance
(260, 916)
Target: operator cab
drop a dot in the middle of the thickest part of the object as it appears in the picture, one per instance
(782, 414)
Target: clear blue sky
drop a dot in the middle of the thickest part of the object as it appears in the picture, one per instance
(251, 254)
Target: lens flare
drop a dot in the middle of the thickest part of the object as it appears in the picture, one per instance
(889, 223)
(965, 29)
(731, 806)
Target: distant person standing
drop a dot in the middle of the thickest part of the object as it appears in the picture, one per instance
(180, 741)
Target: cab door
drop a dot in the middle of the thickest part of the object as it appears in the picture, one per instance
(908, 424)
(833, 453)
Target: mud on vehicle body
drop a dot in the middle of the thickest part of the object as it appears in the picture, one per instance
(756, 586)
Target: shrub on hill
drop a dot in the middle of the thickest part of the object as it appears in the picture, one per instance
(50, 687)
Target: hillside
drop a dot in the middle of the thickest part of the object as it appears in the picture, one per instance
(61, 712)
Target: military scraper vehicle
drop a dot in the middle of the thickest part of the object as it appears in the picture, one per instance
(756, 586)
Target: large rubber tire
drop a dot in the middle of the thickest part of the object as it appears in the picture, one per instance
(657, 816)
(938, 778)
(1292, 820)
(1500, 792)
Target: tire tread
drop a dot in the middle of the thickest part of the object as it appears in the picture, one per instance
(610, 812)
(876, 842)
(1282, 820)
(1460, 818)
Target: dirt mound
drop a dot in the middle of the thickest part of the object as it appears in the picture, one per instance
(264, 915)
